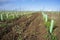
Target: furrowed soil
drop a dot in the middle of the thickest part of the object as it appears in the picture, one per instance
(27, 28)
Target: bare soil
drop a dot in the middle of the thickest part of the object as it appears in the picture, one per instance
(29, 28)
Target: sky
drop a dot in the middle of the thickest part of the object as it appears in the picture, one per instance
(30, 5)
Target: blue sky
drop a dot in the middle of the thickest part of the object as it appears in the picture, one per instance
(30, 5)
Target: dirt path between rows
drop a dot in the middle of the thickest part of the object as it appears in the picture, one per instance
(36, 30)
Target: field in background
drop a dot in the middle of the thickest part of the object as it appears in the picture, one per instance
(26, 25)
